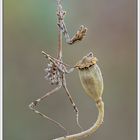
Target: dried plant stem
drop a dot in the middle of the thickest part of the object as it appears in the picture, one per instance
(88, 132)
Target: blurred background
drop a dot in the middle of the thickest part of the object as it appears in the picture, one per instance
(29, 28)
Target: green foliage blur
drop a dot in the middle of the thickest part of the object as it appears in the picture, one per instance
(29, 28)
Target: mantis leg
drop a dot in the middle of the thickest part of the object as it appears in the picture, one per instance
(34, 104)
(78, 35)
(72, 102)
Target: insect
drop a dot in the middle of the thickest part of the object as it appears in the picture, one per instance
(55, 73)
(56, 69)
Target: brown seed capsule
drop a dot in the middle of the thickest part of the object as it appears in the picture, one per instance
(90, 76)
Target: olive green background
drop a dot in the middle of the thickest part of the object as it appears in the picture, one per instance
(29, 28)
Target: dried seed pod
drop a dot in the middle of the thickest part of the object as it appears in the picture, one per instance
(90, 76)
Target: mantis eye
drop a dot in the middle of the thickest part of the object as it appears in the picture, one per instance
(90, 55)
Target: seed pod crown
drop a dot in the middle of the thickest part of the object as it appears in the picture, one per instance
(86, 61)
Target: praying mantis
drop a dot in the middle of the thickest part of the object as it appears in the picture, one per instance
(56, 72)
(56, 69)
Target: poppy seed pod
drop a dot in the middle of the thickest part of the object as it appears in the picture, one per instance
(90, 76)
